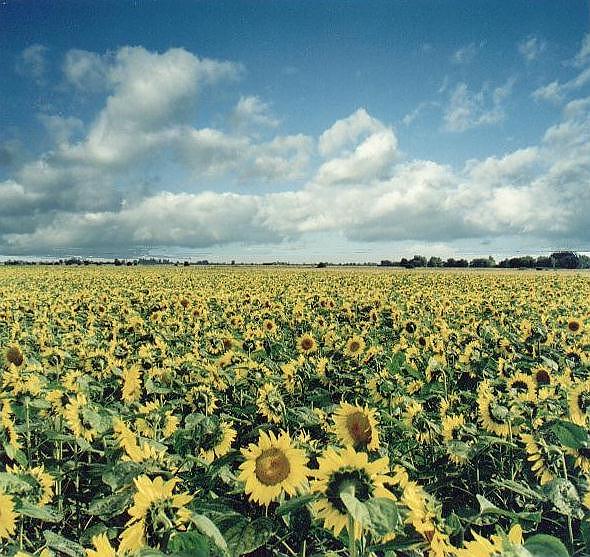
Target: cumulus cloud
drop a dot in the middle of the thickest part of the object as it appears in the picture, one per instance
(32, 62)
(465, 54)
(251, 110)
(531, 48)
(467, 109)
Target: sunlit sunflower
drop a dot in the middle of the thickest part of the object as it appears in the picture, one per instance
(272, 467)
(131, 391)
(306, 344)
(41, 482)
(457, 448)
(218, 443)
(269, 327)
(156, 511)
(581, 458)
(7, 517)
(270, 403)
(495, 546)
(495, 417)
(579, 402)
(345, 469)
(75, 419)
(575, 325)
(523, 387)
(538, 457)
(355, 346)
(356, 426)
(102, 547)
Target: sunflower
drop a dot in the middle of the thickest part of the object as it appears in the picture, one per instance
(131, 391)
(155, 512)
(102, 547)
(356, 426)
(575, 325)
(355, 346)
(581, 458)
(495, 416)
(306, 344)
(14, 356)
(497, 545)
(7, 516)
(579, 402)
(457, 449)
(272, 467)
(73, 414)
(218, 443)
(269, 327)
(523, 387)
(41, 482)
(537, 455)
(343, 469)
(270, 403)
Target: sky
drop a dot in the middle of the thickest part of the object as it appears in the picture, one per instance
(294, 130)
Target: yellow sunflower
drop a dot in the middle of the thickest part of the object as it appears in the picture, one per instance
(575, 325)
(341, 469)
(7, 517)
(272, 467)
(156, 510)
(523, 387)
(579, 402)
(131, 391)
(270, 403)
(355, 346)
(356, 426)
(537, 458)
(306, 344)
(102, 547)
(219, 443)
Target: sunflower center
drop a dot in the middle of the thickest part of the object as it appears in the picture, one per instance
(359, 428)
(306, 343)
(354, 346)
(520, 385)
(573, 326)
(410, 327)
(14, 356)
(543, 377)
(584, 452)
(344, 478)
(272, 467)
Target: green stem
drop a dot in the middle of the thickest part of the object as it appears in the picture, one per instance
(351, 538)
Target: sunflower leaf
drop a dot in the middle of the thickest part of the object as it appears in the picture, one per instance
(46, 514)
(358, 510)
(189, 544)
(63, 545)
(208, 528)
(385, 516)
(543, 545)
(296, 503)
(570, 435)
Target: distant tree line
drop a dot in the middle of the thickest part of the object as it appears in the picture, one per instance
(557, 260)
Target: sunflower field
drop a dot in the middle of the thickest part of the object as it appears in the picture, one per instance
(294, 412)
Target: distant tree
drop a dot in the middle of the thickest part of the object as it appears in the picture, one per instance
(321, 265)
(545, 262)
(566, 260)
(418, 261)
(435, 262)
(452, 262)
(584, 261)
(483, 262)
(386, 263)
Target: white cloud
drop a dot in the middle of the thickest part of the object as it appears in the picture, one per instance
(252, 110)
(466, 54)
(583, 55)
(531, 48)
(467, 109)
(410, 117)
(87, 71)
(347, 131)
(32, 62)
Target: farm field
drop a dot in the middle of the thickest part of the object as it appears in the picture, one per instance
(294, 412)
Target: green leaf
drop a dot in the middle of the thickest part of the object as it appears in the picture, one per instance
(543, 545)
(208, 528)
(189, 544)
(296, 503)
(358, 510)
(16, 455)
(565, 498)
(46, 514)
(109, 506)
(63, 545)
(487, 507)
(384, 514)
(9, 483)
(570, 435)
(245, 536)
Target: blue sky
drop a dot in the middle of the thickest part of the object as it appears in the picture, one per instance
(296, 131)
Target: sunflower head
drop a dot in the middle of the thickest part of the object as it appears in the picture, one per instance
(306, 344)
(14, 356)
(272, 467)
(356, 426)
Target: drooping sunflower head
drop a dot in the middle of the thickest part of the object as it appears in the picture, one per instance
(14, 356)
(41, 482)
(522, 387)
(356, 426)
(579, 402)
(345, 470)
(215, 439)
(272, 467)
(270, 403)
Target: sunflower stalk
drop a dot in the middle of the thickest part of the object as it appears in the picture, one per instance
(352, 549)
